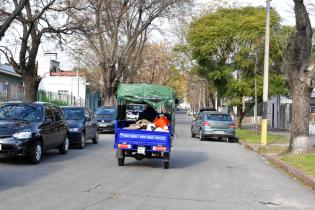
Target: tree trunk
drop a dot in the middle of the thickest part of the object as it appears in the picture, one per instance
(30, 88)
(299, 75)
(108, 96)
(299, 141)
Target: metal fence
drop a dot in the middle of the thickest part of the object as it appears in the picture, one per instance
(57, 98)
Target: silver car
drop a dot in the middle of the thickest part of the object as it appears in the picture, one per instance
(214, 124)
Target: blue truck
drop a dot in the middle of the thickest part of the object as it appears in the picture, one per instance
(139, 143)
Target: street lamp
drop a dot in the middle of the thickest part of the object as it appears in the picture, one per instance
(264, 123)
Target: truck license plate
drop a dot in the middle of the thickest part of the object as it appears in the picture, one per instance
(141, 150)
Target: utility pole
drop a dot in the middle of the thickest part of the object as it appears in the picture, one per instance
(264, 123)
(256, 104)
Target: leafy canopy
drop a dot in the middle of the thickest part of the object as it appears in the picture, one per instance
(226, 45)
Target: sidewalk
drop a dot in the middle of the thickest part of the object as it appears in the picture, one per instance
(298, 166)
(276, 131)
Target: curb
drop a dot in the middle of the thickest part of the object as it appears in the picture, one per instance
(306, 179)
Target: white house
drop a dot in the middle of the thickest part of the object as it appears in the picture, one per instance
(72, 83)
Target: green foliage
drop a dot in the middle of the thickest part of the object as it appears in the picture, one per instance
(228, 43)
(177, 81)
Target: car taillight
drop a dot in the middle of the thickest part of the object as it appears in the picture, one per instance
(206, 124)
(124, 146)
(158, 148)
(232, 125)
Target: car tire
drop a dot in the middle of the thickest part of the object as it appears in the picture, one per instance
(96, 138)
(166, 164)
(35, 153)
(64, 147)
(192, 133)
(166, 160)
(201, 136)
(232, 140)
(121, 161)
(82, 141)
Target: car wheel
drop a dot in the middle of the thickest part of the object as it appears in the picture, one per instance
(232, 140)
(166, 164)
(192, 133)
(82, 141)
(121, 161)
(35, 153)
(201, 136)
(96, 138)
(64, 147)
(166, 160)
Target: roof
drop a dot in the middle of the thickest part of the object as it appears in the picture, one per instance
(29, 103)
(72, 107)
(9, 70)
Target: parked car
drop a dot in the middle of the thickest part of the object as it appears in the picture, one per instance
(82, 125)
(29, 129)
(106, 116)
(203, 109)
(214, 124)
(133, 111)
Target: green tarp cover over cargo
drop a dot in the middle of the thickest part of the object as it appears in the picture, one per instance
(155, 95)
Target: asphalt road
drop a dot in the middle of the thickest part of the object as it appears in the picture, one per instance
(202, 175)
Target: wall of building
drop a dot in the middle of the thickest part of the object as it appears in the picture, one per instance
(10, 88)
(66, 85)
(279, 112)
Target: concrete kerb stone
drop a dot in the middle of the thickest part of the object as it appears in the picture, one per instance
(306, 179)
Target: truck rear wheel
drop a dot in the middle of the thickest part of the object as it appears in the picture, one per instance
(166, 160)
(120, 154)
(121, 161)
(166, 164)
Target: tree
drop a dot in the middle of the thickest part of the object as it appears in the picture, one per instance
(116, 32)
(7, 18)
(227, 45)
(41, 18)
(300, 73)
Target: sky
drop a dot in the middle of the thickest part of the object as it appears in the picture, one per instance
(283, 7)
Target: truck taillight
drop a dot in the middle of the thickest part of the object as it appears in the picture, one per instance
(206, 124)
(158, 148)
(124, 146)
(232, 125)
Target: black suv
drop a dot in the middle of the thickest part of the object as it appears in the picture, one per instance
(28, 129)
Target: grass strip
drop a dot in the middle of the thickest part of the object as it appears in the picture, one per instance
(251, 137)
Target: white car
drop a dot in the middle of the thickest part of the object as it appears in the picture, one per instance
(132, 115)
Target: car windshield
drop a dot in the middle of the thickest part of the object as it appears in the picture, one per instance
(219, 117)
(19, 112)
(135, 108)
(73, 114)
(105, 112)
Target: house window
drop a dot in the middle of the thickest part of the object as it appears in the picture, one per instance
(14, 92)
(3, 90)
(312, 109)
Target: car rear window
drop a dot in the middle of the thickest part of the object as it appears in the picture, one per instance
(219, 117)
(105, 111)
(73, 114)
(135, 108)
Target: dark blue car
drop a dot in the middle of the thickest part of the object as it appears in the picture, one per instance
(82, 125)
(105, 117)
